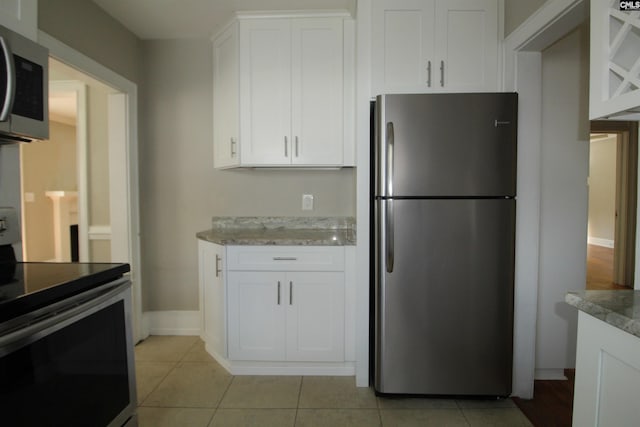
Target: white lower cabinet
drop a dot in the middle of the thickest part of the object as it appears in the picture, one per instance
(277, 307)
(286, 316)
(607, 382)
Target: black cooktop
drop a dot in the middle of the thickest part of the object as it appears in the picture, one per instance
(28, 286)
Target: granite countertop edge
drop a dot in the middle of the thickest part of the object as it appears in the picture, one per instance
(619, 308)
(281, 231)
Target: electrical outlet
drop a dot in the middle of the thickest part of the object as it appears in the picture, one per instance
(307, 202)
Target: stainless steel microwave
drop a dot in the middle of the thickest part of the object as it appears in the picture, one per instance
(24, 89)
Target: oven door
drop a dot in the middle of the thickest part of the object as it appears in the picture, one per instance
(74, 367)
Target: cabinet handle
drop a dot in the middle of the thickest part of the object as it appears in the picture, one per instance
(284, 258)
(297, 146)
(233, 147)
(278, 292)
(442, 73)
(218, 269)
(286, 148)
(290, 293)
(429, 73)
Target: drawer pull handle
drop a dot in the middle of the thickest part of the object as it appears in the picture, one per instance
(290, 293)
(285, 258)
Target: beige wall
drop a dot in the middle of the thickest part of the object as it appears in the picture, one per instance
(180, 190)
(564, 196)
(602, 188)
(85, 27)
(46, 166)
(517, 11)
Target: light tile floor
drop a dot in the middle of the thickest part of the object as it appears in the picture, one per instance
(180, 385)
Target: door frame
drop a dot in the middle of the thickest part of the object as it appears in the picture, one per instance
(624, 252)
(522, 73)
(131, 204)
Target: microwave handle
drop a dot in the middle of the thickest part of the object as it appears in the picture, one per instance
(7, 102)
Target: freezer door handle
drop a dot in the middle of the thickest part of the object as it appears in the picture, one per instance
(389, 168)
(389, 235)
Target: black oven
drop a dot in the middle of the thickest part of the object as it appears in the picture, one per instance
(70, 363)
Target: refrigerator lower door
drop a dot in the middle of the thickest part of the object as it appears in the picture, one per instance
(444, 314)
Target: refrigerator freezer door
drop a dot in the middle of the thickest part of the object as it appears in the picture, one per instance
(444, 314)
(452, 145)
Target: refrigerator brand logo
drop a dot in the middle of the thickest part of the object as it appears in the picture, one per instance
(629, 5)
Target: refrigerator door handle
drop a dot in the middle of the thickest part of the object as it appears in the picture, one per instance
(389, 168)
(389, 234)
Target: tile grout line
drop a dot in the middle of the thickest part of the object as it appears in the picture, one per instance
(175, 364)
(295, 419)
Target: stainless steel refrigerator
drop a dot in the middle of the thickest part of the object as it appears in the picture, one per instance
(444, 204)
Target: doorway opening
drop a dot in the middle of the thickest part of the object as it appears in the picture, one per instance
(613, 171)
(65, 180)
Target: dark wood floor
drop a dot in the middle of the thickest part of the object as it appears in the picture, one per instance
(552, 403)
(600, 268)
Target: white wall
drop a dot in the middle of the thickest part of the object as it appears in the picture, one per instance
(602, 190)
(517, 11)
(180, 190)
(564, 199)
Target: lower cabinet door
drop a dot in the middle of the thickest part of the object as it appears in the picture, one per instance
(292, 316)
(256, 315)
(315, 317)
(213, 298)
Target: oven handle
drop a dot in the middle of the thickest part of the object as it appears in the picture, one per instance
(63, 317)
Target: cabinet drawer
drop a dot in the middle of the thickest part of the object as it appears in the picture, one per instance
(285, 258)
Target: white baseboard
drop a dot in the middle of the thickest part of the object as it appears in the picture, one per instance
(607, 243)
(171, 322)
(550, 374)
(236, 367)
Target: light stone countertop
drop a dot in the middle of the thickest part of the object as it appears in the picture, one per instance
(291, 231)
(620, 308)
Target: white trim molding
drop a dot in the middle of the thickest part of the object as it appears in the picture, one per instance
(607, 243)
(179, 322)
(100, 232)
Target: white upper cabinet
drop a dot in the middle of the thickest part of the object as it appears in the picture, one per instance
(281, 99)
(615, 61)
(20, 16)
(422, 46)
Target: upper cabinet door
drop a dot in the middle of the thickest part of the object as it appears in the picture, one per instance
(317, 91)
(265, 91)
(226, 98)
(615, 61)
(466, 44)
(403, 46)
(423, 46)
